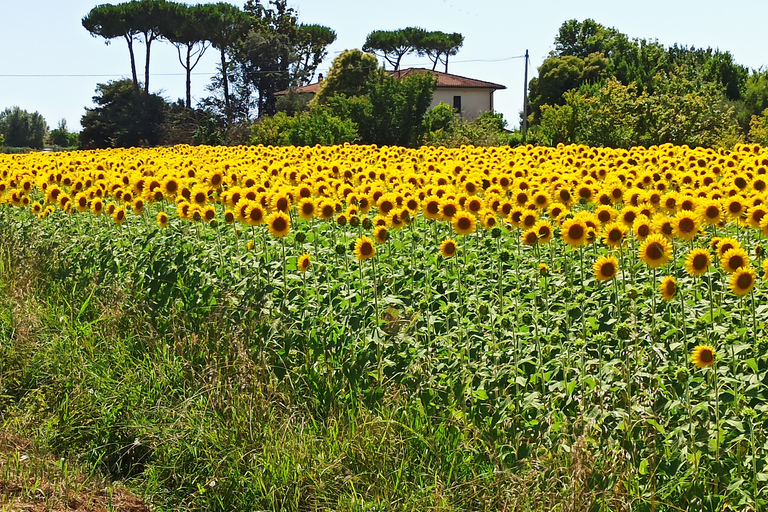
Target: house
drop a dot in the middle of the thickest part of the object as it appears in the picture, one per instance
(469, 96)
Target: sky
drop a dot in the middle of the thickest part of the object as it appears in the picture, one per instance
(50, 64)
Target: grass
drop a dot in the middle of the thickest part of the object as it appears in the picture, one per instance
(202, 422)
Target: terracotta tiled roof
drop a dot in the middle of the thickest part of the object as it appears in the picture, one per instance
(448, 80)
(443, 80)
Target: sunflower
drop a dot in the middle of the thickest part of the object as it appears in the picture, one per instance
(703, 356)
(724, 245)
(307, 208)
(279, 224)
(605, 214)
(448, 209)
(668, 288)
(574, 232)
(605, 268)
(303, 262)
(448, 248)
(209, 213)
(473, 205)
(364, 248)
(464, 223)
(655, 250)
(742, 281)
(380, 234)
(545, 231)
(642, 227)
(734, 259)
(530, 237)
(162, 219)
(685, 225)
(253, 213)
(614, 234)
(697, 262)
(628, 214)
(118, 215)
(432, 208)
(765, 269)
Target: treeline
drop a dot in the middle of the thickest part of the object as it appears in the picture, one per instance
(600, 88)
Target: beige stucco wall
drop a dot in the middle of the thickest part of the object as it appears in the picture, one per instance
(473, 101)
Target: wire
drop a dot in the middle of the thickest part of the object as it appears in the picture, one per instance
(97, 76)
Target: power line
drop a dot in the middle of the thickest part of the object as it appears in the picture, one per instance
(95, 76)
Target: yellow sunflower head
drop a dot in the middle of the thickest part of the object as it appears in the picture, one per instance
(279, 224)
(742, 281)
(303, 262)
(734, 259)
(698, 261)
(655, 250)
(668, 288)
(364, 248)
(605, 268)
(703, 356)
(448, 248)
(464, 223)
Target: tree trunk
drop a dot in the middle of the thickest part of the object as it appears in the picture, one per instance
(133, 64)
(227, 113)
(189, 78)
(146, 66)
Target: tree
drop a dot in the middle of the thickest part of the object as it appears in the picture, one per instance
(228, 25)
(392, 112)
(112, 21)
(188, 31)
(22, 129)
(392, 45)
(438, 46)
(349, 75)
(122, 119)
(311, 48)
(62, 137)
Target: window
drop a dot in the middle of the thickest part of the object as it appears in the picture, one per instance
(457, 103)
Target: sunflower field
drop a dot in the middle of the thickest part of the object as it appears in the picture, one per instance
(540, 327)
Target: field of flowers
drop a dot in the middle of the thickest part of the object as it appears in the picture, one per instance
(548, 299)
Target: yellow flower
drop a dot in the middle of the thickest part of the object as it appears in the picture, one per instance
(364, 248)
(703, 356)
(605, 268)
(162, 219)
(574, 232)
(697, 262)
(304, 262)
(742, 281)
(448, 248)
(734, 259)
(464, 223)
(655, 251)
(279, 224)
(668, 288)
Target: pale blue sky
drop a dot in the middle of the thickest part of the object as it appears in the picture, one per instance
(50, 64)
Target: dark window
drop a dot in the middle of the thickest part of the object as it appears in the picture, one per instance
(457, 103)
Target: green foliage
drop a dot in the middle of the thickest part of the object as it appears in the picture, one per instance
(677, 111)
(22, 129)
(62, 137)
(758, 128)
(443, 127)
(393, 110)
(122, 119)
(349, 75)
(587, 53)
(393, 45)
(318, 126)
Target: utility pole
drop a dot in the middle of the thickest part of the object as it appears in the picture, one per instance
(524, 125)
